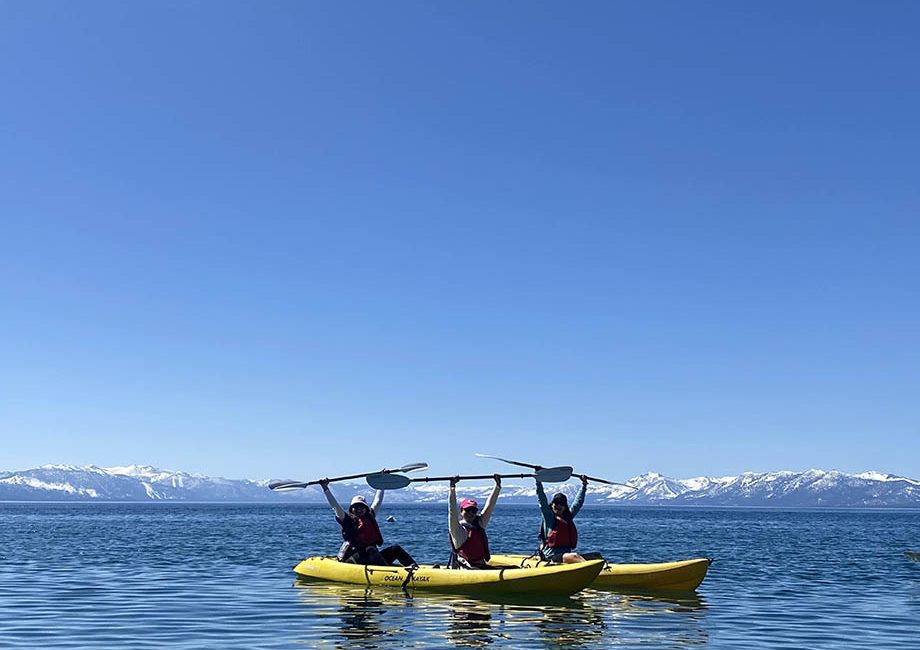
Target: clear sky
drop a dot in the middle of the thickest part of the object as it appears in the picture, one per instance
(289, 239)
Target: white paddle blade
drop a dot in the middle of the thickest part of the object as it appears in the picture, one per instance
(412, 467)
(381, 481)
(553, 474)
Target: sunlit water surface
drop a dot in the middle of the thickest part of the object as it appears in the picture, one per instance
(219, 576)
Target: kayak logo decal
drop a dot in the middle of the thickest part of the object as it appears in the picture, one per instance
(396, 578)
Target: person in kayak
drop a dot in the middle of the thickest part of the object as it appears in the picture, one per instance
(557, 531)
(362, 534)
(469, 543)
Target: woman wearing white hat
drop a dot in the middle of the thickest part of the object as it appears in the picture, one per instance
(362, 534)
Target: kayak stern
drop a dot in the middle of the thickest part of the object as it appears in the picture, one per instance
(683, 575)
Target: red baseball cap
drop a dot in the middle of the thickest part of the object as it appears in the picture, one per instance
(469, 503)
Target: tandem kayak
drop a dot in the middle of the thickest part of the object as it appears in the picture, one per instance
(682, 575)
(544, 580)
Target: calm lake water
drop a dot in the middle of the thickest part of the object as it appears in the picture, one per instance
(219, 576)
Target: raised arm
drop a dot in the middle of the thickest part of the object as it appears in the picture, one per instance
(580, 497)
(457, 534)
(336, 508)
(378, 501)
(486, 513)
(549, 517)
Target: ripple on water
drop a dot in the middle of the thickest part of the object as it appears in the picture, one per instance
(187, 576)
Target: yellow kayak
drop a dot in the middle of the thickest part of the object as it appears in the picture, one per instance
(553, 580)
(682, 575)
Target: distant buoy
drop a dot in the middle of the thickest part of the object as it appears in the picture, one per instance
(391, 518)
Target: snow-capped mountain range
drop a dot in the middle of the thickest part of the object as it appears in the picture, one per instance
(813, 488)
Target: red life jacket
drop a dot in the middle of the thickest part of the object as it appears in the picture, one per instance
(362, 531)
(564, 535)
(476, 547)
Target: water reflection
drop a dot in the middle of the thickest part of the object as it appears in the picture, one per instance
(360, 618)
(353, 616)
(469, 624)
(675, 618)
(356, 617)
(688, 601)
(580, 624)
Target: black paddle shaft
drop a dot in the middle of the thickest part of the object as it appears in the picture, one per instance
(427, 479)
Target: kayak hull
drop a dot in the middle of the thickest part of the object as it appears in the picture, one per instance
(684, 575)
(556, 580)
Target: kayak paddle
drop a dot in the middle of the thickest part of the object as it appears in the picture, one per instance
(539, 467)
(390, 481)
(295, 485)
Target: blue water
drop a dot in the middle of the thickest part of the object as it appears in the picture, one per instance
(219, 576)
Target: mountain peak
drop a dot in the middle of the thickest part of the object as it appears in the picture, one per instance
(135, 470)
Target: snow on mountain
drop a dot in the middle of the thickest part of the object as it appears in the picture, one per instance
(814, 487)
(881, 476)
(130, 483)
(811, 488)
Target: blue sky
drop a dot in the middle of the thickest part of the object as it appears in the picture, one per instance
(294, 239)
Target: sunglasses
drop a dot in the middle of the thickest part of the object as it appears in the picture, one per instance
(472, 511)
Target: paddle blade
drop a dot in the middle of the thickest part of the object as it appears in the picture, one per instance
(411, 467)
(381, 481)
(286, 485)
(553, 474)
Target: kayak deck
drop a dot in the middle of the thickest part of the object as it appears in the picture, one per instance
(552, 580)
(683, 575)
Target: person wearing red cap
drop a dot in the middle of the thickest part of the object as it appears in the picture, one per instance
(362, 534)
(467, 528)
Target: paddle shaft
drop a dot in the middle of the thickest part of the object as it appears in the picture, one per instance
(539, 467)
(345, 478)
(428, 479)
(287, 485)
(512, 462)
(601, 480)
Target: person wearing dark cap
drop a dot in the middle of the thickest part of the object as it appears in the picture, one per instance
(558, 532)
(469, 543)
